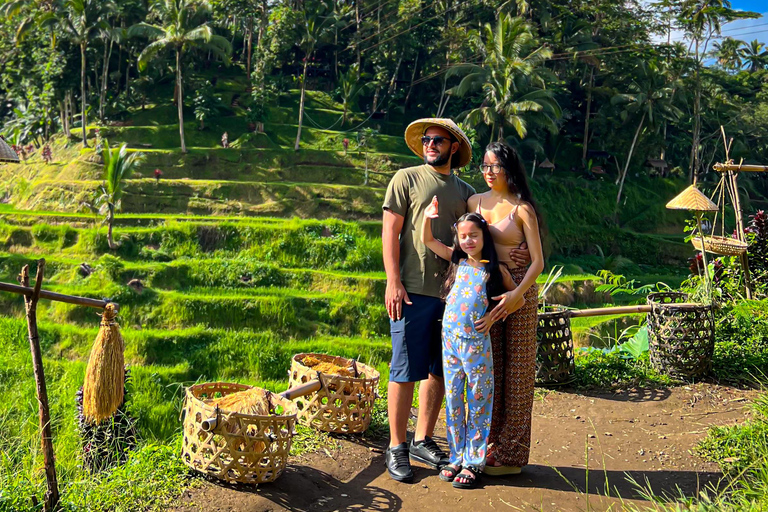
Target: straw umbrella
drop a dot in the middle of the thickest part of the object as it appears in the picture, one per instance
(692, 199)
(7, 154)
(546, 164)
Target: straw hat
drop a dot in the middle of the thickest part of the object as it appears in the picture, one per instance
(692, 199)
(416, 130)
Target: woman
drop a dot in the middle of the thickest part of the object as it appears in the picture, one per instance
(513, 219)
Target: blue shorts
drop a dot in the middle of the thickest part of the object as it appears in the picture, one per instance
(416, 343)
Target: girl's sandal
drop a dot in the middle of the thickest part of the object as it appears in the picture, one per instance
(469, 476)
(449, 472)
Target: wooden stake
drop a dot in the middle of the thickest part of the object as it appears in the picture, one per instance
(59, 297)
(740, 232)
(30, 301)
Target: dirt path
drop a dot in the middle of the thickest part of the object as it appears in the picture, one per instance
(645, 434)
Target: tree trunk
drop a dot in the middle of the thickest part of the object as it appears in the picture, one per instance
(445, 83)
(82, 93)
(180, 99)
(105, 77)
(357, 33)
(413, 78)
(375, 105)
(250, 49)
(301, 102)
(586, 118)
(110, 223)
(693, 170)
(127, 71)
(394, 77)
(52, 494)
(629, 158)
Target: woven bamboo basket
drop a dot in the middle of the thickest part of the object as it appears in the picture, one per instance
(720, 245)
(343, 405)
(681, 336)
(240, 448)
(554, 347)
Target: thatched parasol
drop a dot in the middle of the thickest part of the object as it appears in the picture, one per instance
(694, 200)
(546, 164)
(7, 154)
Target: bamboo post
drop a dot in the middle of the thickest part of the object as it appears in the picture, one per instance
(708, 287)
(740, 232)
(617, 310)
(52, 494)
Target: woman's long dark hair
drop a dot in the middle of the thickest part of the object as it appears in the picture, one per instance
(514, 172)
(495, 285)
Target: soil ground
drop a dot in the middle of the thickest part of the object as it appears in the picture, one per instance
(586, 449)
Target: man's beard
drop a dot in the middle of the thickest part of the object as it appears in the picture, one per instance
(439, 161)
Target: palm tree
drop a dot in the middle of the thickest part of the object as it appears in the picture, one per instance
(650, 95)
(702, 19)
(755, 55)
(80, 19)
(728, 54)
(512, 79)
(118, 165)
(318, 22)
(349, 88)
(183, 28)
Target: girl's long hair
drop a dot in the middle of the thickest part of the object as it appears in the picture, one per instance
(495, 284)
(514, 172)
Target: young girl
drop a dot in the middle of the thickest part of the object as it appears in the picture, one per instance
(473, 276)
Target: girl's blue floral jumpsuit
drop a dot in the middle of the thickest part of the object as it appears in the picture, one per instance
(467, 360)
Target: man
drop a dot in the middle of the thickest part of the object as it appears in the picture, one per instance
(414, 280)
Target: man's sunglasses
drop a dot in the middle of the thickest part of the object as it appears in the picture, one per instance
(437, 139)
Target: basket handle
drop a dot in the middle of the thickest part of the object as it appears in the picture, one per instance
(302, 389)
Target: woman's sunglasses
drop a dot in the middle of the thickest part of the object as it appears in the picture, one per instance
(488, 168)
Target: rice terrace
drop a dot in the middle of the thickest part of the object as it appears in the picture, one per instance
(328, 255)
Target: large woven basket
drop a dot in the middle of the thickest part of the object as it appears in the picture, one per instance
(720, 245)
(241, 448)
(343, 405)
(681, 336)
(554, 347)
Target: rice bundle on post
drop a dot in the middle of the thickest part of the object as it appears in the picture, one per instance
(103, 390)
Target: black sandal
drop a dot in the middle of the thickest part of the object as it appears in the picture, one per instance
(452, 470)
(471, 478)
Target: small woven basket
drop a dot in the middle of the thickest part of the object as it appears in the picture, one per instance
(720, 245)
(682, 336)
(241, 448)
(343, 405)
(554, 347)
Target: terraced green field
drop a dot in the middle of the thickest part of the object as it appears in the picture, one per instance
(239, 258)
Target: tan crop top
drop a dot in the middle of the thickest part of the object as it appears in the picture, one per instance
(506, 235)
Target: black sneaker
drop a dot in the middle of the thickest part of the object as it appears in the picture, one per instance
(427, 452)
(398, 465)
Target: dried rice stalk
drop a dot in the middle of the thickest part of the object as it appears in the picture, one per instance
(250, 401)
(105, 375)
(328, 368)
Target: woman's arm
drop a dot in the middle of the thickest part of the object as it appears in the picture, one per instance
(428, 239)
(511, 301)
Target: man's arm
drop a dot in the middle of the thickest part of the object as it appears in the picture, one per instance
(392, 225)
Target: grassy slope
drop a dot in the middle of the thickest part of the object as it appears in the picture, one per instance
(232, 298)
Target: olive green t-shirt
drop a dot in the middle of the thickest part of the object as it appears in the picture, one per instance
(408, 194)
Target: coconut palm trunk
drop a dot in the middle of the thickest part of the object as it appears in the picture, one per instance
(110, 222)
(82, 92)
(180, 99)
(301, 102)
(629, 158)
